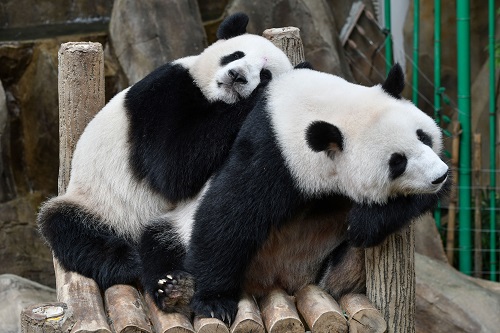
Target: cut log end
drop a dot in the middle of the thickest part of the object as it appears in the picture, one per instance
(248, 318)
(47, 317)
(362, 314)
(209, 325)
(279, 313)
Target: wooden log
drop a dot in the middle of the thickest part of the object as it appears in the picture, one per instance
(320, 311)
(126, 310)
(288, 40)
(248, 318)
(390, 279)
(452, 208)
(209, 325)
(47, 317)
(167, 322)
(478, 260)
(81, 96)
(279, 313)
(362, 316)
(83, 297)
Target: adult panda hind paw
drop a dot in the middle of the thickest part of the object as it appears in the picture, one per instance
(174, 292)
(222, 308)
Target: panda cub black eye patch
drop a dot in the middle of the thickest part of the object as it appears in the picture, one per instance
(231, 57)
(397, 165)
(424, 138)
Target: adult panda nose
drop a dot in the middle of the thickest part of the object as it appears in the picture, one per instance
(440, 179)
(237, 76)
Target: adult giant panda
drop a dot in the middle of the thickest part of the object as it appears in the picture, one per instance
(320, 168)
(152, 146)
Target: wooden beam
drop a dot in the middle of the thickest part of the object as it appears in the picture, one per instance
(362, 316)
(248, 318)
(279, 313)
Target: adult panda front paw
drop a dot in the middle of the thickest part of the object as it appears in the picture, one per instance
(174, 292)
(222, 308)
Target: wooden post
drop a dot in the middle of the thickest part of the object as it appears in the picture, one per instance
(288, 40)
(478, 262)
(452, 209)
(390, 280)
(81, 96)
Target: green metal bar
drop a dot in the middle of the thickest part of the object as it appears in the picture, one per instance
(491, 38)
(416, 36)
(388, 39)
(464, 117)
(437, 82)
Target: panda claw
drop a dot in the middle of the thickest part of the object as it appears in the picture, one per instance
(162, 281)
(212, 314)
(169, 277)
(160, 291)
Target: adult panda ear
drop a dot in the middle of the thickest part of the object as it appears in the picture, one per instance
(234, 25)
(323, 136)
(303, 64)
(395, 82)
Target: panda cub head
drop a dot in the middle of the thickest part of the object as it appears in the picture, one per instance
(230, 69)
(363, 142)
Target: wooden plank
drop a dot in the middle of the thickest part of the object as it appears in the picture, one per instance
(248, 318)
(320, 311)
(279, 313)
(126, 310)
(167, 322)
(362, 316)
(209, 325)
(47, 317)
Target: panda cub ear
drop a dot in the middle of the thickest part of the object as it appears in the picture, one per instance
(395, 82)
(234, 25)
(323, 136)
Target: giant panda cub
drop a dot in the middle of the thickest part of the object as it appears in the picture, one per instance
(153, 146)
(320, 168)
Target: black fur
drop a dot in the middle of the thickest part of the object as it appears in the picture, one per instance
(322, 136)
(424, 138)
(173, 142)
(253, 192)
(304, 64)
(161, 251)
(395, 82)
(369, 225)
(233, 26)
(79, 241)
(231, 57)
(397, 165)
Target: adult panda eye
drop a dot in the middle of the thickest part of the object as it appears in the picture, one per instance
(231, 57)
(397, 165)
(424, 138)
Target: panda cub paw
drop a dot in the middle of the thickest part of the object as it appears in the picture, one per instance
(174, 292)
(221, 308)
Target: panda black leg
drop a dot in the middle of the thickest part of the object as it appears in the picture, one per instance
(163, 278)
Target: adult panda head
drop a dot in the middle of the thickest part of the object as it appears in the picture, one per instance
(231, 68)
(366, 143)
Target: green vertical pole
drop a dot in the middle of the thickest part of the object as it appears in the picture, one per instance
(437, 82)
(416, 36)
(464, 117)
(388, 39)
(491, 38)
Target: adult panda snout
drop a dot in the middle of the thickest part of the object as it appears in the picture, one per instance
(440, 179)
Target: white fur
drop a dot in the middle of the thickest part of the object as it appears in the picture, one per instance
(259, 53)
(374, 125)
(101, 178)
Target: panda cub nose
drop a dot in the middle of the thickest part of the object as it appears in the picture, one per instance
(237, 77)
(440, 179)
